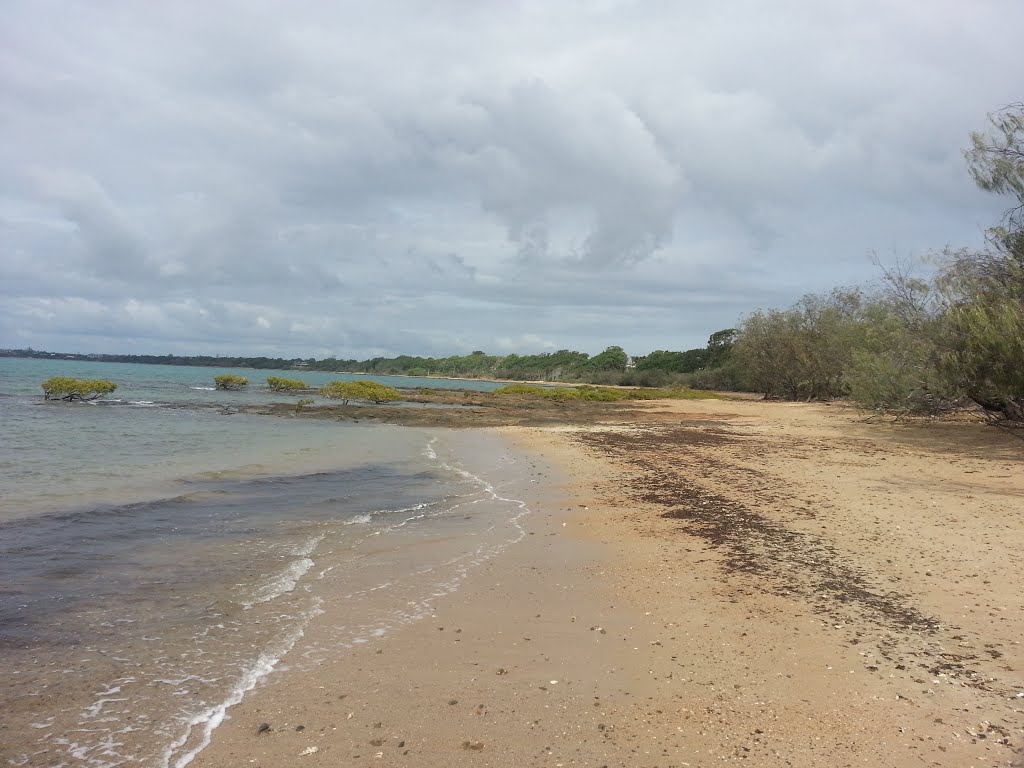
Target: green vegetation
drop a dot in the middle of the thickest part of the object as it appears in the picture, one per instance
(64, 388)
(228, 381)
(360, 390)
(603, 394)
(301, 404)
(914, 344)
(278, 384)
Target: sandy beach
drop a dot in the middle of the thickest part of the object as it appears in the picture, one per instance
(701, 583)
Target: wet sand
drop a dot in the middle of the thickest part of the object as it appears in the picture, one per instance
(702, 583)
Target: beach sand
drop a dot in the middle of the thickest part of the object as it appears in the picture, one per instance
(702, 583)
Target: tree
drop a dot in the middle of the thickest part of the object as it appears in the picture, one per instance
(720, 347)
(230, 382)
(64, 388)
(360, 390)
(996, 159)
(985, 320)
(802, 353)
(985, 291)
(278, 384)
(612, 359)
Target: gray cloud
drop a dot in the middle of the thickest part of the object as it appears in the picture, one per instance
(353, 180)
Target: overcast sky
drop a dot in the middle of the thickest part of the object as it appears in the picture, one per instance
(366, 178)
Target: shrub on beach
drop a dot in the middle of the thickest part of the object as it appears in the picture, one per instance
(360, 390)
(65, 388)
(278, 384)
(230, 382)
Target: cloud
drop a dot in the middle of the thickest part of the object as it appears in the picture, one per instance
(352, 179)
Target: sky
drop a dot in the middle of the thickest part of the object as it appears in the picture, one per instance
(357, 179)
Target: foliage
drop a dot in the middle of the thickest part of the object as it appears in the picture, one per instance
(985, 291)
(996, 159)
(801, 353)
(612, 359)
(360, 390)
(301, 403)
(719, 348)
(279, 384)
(602, 394)
(227, 381)
(985, 317)
(674, 362)
(65, 388)
(894, 366)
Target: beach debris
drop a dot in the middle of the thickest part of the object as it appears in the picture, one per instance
(501, 671)
(377, 742)
(263, 728)
(452, 702)
(309, 751)
(300, 728)
(476, 746)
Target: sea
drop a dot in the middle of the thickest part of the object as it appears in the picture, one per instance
(162, 553)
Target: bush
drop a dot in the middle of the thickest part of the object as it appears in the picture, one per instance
(230, 382)
(64, 388)
(360, 390)
(278, 384)
(985, 319)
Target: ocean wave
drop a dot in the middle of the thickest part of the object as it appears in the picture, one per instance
(204, 389)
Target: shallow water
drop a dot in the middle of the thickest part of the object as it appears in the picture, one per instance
(156, 563)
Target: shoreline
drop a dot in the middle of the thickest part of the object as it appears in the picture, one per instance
(859, 607)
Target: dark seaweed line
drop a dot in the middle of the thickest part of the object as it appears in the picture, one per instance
(795, 564)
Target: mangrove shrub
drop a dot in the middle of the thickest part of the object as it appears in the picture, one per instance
(278, 384)
(64, 388)
(228, 381)
(360, 390)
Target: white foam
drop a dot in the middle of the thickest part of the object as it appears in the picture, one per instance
(204, 389)
(282, 583)
(212, 717)
(359, 520)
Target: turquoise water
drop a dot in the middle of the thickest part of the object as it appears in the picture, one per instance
(160, 555)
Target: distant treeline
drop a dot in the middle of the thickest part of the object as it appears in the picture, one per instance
(612, 366)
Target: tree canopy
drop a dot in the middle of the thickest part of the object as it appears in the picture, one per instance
(360, 390)
(230, 382)
(279, 384)
(64, 388)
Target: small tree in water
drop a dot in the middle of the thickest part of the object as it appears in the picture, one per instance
(64, 388)
(360, 390)
(230, 382)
